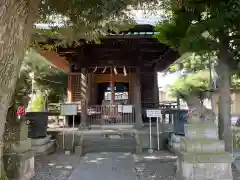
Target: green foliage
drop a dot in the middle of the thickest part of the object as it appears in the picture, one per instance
(193, 84)
(86, 19)
(200, 26)
(193, 62)
(3, 174)
(47, 79)
(196, 84)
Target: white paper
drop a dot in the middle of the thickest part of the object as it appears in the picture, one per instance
(68, 109)
(127, 108)
(120, 108)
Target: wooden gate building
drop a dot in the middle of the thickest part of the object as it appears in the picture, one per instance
(119, 73)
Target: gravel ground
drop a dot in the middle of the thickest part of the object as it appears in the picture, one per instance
(55, 167)
(148, 167)
(157, 166)
(236, 174)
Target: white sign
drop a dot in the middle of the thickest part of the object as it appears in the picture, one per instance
(154, 113)
(127, 108)
(68, 109)
(120, 108)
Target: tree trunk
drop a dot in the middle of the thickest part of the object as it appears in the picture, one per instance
(224, 105)
(15, 24)
(194, 103)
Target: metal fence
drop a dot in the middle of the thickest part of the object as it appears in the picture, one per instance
(111, 114)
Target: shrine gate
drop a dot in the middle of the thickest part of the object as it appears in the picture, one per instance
(114, 80)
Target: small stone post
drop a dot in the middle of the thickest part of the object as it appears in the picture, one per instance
(202, 155)
(18, 155)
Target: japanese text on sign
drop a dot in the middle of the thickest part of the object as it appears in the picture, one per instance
(68, 109)
(153, 113)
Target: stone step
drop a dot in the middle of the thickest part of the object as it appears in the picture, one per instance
(109, 143)
(109, 149)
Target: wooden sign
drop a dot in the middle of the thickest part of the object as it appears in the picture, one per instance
(153, 113)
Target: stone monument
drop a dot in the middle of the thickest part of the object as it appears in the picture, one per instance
(18, 156)
(202, 155)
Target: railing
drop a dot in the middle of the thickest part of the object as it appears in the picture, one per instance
(117, 114)
(111, 114)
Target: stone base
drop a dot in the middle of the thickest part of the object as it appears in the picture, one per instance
(202, 155)
(78, 150)
(43, 146)
(204, 171)
(174, 143)
(19, 166)
(139, 149)
(175, 147)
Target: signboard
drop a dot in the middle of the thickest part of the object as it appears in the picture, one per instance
(120, 108)
(127, 109)
(68, 109)
(153, 113)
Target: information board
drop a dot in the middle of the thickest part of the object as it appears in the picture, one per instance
(153, 113)
(127, 109)
(68, 109)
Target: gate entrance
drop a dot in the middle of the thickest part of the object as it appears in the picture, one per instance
(111, 114)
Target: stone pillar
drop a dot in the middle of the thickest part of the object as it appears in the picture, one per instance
(202, 155)
(137, 99)
(18, 155)
(84, 93)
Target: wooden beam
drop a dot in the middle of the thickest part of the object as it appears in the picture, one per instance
(56, 60)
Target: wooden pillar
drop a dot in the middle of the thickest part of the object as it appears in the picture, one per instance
(156, 89)
(69, 91)
(112, 84)
(84, 90)
(89, 88)
(137, 99)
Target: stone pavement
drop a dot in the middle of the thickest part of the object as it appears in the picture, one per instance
(105, 166)
(156, 166)
(236, 169)
(56, 166)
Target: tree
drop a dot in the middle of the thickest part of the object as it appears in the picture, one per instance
(202, 27)
(17, 18)
(47, 79)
